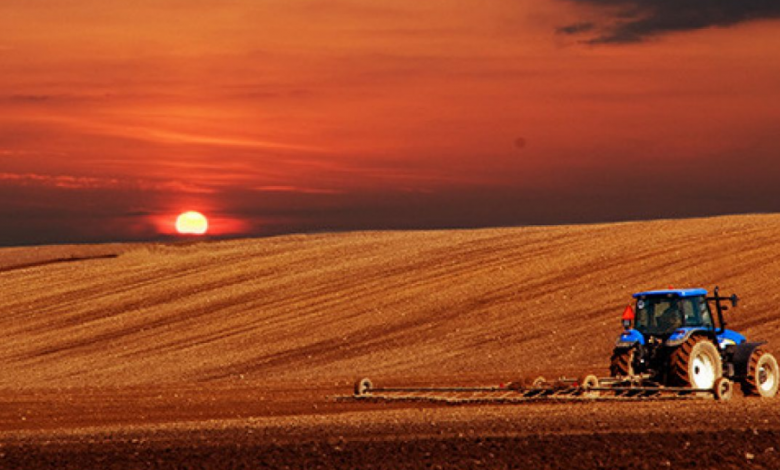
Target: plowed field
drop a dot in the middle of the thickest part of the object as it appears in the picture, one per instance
(228, 354)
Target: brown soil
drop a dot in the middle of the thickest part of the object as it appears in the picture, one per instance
(229, 354)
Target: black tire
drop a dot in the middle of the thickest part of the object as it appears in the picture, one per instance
(696, 364)
(762, 378)
(621, 364)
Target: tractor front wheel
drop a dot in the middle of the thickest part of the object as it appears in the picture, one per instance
(622, 362)
(696, 364)
(762, 378)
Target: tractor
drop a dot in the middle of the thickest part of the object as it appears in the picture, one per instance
(678, 338)
(674, 345)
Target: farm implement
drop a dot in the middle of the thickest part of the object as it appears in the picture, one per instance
(587, 389)
(675, 345)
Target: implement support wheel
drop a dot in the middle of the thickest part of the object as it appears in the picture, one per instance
(723, 389)
(539, 382)
(587, 383)
(363, 387)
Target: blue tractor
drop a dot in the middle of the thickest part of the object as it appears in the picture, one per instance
(678, 338)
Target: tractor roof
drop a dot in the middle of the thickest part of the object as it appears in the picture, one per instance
(675, 292)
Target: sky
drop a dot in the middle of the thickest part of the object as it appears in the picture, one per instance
(288, 116)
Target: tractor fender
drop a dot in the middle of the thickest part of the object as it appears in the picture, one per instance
(681, 335)
(741, 358)
(629, 338)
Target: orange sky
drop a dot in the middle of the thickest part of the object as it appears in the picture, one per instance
(287, 115)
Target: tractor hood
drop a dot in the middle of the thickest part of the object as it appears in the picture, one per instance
(725, 338)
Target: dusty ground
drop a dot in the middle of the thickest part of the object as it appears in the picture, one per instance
(249, 427)
(230, 354)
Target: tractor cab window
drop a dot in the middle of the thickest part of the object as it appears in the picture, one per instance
(658, 316)
(704, 311)
(695, 312)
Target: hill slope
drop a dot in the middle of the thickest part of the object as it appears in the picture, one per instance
(496, 302)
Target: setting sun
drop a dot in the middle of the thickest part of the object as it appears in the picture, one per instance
(192, 223)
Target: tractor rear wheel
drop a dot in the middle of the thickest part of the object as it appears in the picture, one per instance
(621, 364)
(696, 364)
(762, 377)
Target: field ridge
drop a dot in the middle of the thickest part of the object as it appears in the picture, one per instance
(332, 307)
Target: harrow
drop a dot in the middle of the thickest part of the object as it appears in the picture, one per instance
(587, 388)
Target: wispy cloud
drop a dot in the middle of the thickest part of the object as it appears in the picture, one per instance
(631, 21)
(222, 141)
(59, 181)
(28, 98)
(297, 189)
(161, 135)
(576, 28)
(70, 182)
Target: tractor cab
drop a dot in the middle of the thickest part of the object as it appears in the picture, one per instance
(670, 316)
(661, 313)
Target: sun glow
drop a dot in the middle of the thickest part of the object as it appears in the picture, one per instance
(192, 223)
